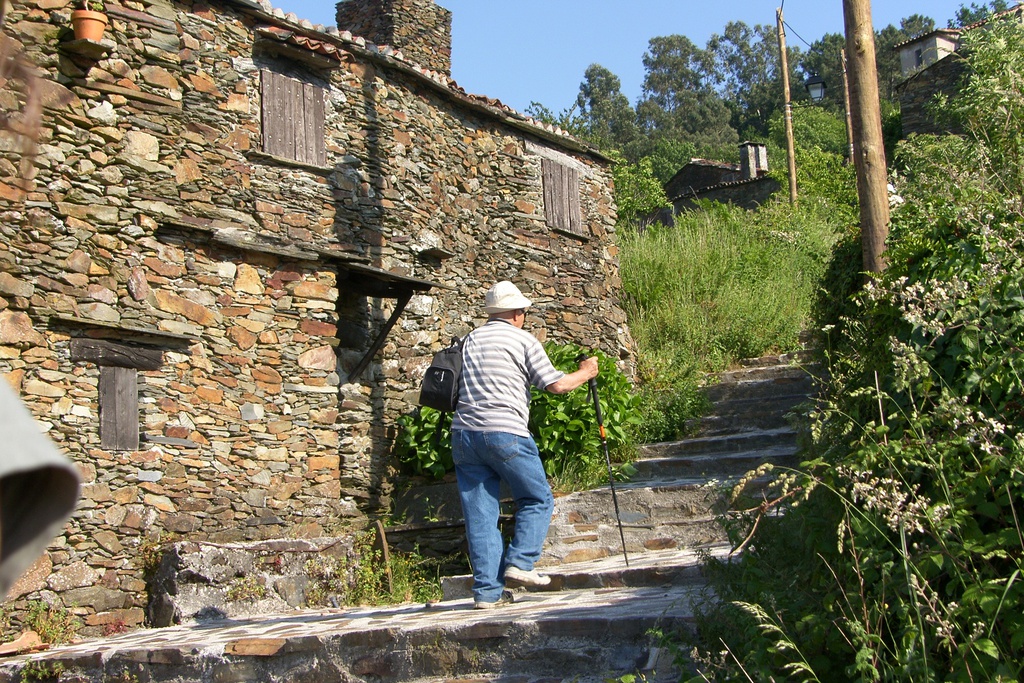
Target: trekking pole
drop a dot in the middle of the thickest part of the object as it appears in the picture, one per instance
(592, 390)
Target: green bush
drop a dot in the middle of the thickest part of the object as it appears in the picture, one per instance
(565, 426)
(420, 448)
(899, 556)
(54, 624)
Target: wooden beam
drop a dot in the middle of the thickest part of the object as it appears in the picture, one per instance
(115, 355)
(788, 107)
(403, 301)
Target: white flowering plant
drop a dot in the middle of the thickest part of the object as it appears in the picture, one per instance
(899, 550)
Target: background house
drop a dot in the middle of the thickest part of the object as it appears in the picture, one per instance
(746, 184)
(243, 239)
(930, 69)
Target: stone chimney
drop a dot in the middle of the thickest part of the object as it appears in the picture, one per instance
(421, 29)
(753, 160)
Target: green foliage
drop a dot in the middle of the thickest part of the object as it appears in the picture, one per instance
(565, 426)
(748, 74)
(419, 448)
(607, 118)
(54, 624)
(965, 16)
(824, 178)
(404, 578)
(749, 281)
(638, 194)
(326, 579)
(899, 555)
(679, 99)
(38, 670)
(365, 579)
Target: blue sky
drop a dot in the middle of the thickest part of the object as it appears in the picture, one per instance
(521, 51)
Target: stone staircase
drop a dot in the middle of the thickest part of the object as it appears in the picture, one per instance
(595, 622)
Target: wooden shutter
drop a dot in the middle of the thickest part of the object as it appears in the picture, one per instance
(293, 118)
(119, 408)
(561, 196)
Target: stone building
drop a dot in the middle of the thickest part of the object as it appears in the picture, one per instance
(242, 239)
(929, 68)
(746, 184)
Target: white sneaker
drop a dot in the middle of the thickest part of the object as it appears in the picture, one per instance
(521, 577)
(505, 599)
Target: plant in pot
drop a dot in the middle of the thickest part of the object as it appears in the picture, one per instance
(89, 20)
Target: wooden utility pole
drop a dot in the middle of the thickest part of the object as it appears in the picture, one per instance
(784, 64)
(866, 119)
(846, 106)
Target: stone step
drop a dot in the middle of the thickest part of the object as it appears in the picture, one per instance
(722, 466)
(585, 635)
(758, 373)
(734, 422)
(778, 405)
(802, 357)
(738, 442)
(761, 389)
(677, 566)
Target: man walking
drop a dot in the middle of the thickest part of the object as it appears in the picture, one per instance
(492, 444)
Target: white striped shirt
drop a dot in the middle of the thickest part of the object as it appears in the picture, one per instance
(499, 364)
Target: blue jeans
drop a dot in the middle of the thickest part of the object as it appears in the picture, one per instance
(482, 461)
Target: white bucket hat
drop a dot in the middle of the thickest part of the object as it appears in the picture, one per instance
(504, 296)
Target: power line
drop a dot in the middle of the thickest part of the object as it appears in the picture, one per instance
(790, 28)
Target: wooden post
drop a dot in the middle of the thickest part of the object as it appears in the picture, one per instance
(790, 151)
(866, 118)
(846, 106)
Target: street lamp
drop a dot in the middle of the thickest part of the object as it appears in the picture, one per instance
(815, 87)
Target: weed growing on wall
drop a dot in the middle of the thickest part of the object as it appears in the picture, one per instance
(403, 578)
(54, 624)
(246, 589)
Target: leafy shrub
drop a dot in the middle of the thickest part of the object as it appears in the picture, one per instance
(902, 560)
(419, 447)
(405, 577)
(565, 426)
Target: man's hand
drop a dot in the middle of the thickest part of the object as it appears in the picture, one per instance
(587, 371)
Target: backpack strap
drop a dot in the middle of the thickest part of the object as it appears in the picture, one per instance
(461, 343)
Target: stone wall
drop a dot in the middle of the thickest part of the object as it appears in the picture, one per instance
(154, 221)
(917, 96)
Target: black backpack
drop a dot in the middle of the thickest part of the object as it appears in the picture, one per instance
(440, 388)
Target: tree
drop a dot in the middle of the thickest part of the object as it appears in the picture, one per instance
(568, 120)
(965, 16)
(607, 118)
(746, 69)
(679, 98)
(917, 25)
(638, 193)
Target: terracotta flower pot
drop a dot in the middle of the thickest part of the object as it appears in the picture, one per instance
(88, 25)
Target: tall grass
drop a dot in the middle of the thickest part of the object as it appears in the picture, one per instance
(722, 284)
